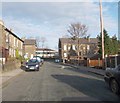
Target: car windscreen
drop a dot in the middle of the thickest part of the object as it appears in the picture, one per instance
(38, 58)
(33, 61)
(118, 67)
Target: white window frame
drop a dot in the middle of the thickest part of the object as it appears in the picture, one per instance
(17, 42)
(65, 55)
(73, 47)
(14, 41)
(65, 47)
(21, 45)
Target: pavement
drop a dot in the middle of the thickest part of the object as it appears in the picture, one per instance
(100, 72)
(9, 74)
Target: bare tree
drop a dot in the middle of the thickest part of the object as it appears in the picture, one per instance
(38, 41)
(78, 30)
(43, 40)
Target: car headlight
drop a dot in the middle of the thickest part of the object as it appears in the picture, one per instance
(36, 65)
(26, 66)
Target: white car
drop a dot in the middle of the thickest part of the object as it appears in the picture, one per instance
(38, 58)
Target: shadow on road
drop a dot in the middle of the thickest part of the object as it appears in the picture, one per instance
(91, 87)
(82, 70)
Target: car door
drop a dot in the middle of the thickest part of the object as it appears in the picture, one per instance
(118, 74)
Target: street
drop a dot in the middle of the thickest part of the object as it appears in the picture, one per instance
(55, 82)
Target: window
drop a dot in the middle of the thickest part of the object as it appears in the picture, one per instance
(118, 67)
(7, 34)
(17, 42)
(21, 45)
(88, 47)
(83, 48)
(73, 47)
(65, 47)
(69, 48)
(14, 41)
(14, 53)
(65, 54)
(39, 53)
(10, 51)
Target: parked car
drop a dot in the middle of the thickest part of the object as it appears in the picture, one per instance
(112, 78)
(33, 64)
(39, 59)
(42, 60)
(57, 60)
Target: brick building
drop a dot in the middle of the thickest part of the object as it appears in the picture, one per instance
(69, 49)
(29, 48)
(9, 43)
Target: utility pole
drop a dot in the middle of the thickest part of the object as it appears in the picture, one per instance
(101, 25)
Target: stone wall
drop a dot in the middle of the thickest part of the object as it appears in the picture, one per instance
(11, 65)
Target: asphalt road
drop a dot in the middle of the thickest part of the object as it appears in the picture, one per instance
(55, 82)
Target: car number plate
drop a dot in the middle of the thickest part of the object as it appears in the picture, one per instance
(31, 67)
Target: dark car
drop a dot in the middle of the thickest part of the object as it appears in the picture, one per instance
(33, 64)
(112, 78)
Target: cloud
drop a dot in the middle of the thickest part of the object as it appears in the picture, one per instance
(58, 0)
(52, 19)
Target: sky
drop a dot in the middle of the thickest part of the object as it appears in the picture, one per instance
(52, 19)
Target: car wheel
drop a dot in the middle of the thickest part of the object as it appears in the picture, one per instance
(114, 86)
(26, 70)
(37, 69)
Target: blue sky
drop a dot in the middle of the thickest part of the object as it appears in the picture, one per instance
(51, 19)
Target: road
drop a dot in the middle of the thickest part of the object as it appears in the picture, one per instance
(55, 82)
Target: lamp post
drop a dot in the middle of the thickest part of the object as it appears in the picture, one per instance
(101, 25)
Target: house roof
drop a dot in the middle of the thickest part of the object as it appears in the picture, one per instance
(13, 34)
(81, 40)
(29, 42)
(45, 49)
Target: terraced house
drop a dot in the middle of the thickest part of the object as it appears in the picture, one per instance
(10, 43)
(77, 50)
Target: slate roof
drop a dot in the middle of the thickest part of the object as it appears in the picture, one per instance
(29, 42)
(81, 40)
(13, 34)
